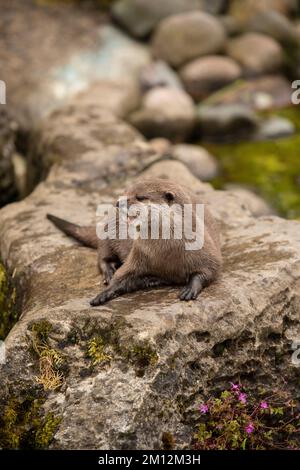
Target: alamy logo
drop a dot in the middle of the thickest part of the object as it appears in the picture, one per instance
(2, 352)
(296, 353)
(296, 94)
(152, 221)
(2, 92)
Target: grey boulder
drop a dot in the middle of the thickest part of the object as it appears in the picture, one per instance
(181, 38)
(257, 53)
(205, 75)
(165, 112)
(226, 122)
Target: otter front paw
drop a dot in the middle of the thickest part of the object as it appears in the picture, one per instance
(192, 289)
(188, 293)
(101, 298)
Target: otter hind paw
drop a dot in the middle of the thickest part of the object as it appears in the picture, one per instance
(192, 289)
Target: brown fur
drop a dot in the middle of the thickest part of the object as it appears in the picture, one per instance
(129, 265)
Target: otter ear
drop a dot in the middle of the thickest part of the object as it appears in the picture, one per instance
(169, 196)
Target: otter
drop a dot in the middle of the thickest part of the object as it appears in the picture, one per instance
(130, 264)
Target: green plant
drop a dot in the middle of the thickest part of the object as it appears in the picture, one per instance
(143, 355)
(24, 426)
(8, 311)
(96, 351)
(50, 360)
(270, 167)
(237, 420)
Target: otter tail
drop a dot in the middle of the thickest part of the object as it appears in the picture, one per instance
(85, 235)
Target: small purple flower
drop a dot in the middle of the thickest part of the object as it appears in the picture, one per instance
(264, 405)
(235, 387)
(242, 397)
(203, 409)
(249, 428)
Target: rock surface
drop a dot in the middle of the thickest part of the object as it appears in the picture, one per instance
(227, 122)
(181, 38)
(205, 75)
(231, 25)
(135, 369)
(159, 356)
(165, 112)
(140, 17)
(247, 9)
(214, 7)
(159, 73)
(254, 203)
(264, 93)
(161, 145)
(275, 128)
(275, 25)
(114, 58)
(8, 189)
(198, 160)
(29, 57)
(257, 53)
(114, 96)
(45, 70)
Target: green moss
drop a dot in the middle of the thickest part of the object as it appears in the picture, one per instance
(141, 356)
(41, 330)
(45, 432)
(104, 344)
(23, 425)
(8, 309)
(96, 351)
(270, 167)
(51, 362)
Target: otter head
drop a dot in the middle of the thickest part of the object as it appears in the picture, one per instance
(158, 195)
(155, 191)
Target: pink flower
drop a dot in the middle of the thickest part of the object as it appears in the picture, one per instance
(203, 409)
(235, 387)
(249, 428)
(242, 397)
(264, 405)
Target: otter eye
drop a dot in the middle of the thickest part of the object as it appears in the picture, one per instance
(141, 198)
(169, 196)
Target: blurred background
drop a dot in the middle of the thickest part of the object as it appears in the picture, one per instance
(212, 82)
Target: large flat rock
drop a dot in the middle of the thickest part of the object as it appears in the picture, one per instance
(163, 354)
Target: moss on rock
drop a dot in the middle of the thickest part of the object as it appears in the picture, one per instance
(23, 424)
(142, 356)
(270, 167)
(8, 310)
(96, 351)
(105, 344)
(51, 362)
